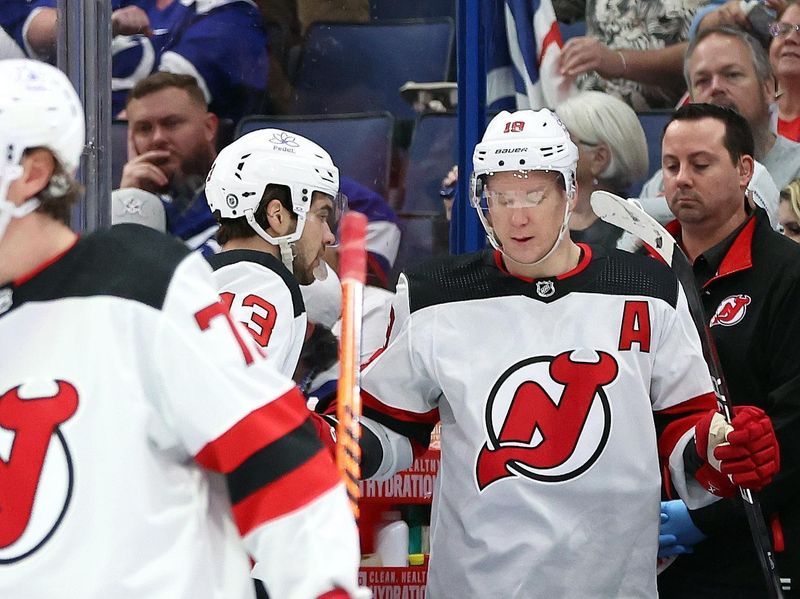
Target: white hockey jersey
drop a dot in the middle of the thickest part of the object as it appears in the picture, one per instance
(556, 397)
(262, 294)
(129, 401)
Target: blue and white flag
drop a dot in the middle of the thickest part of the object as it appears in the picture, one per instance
(523, 49)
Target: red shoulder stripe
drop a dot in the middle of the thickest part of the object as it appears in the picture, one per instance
(287, 494)
(258, 429)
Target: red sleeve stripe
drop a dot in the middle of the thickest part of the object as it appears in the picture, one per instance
(672, 423)
(258, 429)
(287, 494)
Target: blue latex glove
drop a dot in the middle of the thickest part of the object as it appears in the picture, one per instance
(677, 533)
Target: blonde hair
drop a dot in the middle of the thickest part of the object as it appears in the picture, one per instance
(791, 194)
(594, 117)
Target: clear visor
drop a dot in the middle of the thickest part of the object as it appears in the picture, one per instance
(485, 198)
(330, 211)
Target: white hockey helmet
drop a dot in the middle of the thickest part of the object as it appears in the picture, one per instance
(237, 179)
(38, 108)
(527, 140)
(521, 141)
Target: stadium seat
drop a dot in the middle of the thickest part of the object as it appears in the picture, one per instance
(358, 67)
(433, 151)
(653, 123)
(423, 237)
(411, 9)
(360, 144)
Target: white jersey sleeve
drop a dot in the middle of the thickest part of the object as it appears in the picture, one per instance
(238, 416)
(681, 390)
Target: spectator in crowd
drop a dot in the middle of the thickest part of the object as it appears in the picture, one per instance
(784, 55)
(171, 148)
(632, 50)
(532, 500)
(736, 13)
(30, 29)
(749, 281)
(789, 210)
(221, 43)
(612, 155)
(728, 67)
(151, 441)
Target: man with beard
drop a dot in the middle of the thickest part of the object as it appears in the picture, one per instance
(728, 67)
(749, 281)
(276, 197)
(171, 137)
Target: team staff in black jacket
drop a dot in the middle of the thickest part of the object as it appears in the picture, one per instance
(749, 277)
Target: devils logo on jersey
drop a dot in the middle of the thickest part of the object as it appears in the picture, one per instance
(547, 418)
(35, 467)
(731, 310)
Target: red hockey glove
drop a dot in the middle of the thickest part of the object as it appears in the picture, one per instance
(752, 456)
(744, 452)
(335, 594)
(325, 431)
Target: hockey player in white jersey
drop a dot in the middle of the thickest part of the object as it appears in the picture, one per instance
(146, 446)
(565, 377)
(276, 197)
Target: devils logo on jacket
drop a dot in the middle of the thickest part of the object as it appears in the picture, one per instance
(553, 418)
(731, 310)
(35, 466)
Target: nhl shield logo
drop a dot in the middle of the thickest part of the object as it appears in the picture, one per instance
(545, 288)
(731, 310)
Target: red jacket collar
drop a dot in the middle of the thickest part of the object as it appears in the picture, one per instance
(740, 254)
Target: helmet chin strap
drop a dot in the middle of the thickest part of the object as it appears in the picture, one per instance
(9, 210)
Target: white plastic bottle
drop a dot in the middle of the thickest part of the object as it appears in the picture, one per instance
(391, 544)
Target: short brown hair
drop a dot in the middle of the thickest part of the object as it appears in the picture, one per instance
(239, 228)
(61, 194)
(163, 80)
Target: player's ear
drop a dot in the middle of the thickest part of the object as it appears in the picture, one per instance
(38, 167)
(277, 217)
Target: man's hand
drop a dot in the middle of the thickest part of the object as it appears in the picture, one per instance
(731, 13)
(677, 533)
(130, 21)
(584, 54)
(142, 172)
(744, 452)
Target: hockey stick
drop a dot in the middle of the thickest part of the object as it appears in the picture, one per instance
(630, 217)
(353, 274)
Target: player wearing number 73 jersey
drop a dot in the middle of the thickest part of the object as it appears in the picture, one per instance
(276, 197)
(146, 446)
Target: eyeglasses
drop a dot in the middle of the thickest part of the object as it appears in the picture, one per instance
(781, 29)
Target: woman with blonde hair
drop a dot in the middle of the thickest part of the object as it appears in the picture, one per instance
(789, 210)
(612, 156)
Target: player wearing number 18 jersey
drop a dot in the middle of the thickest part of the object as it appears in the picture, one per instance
(146, 447)
(564, 377)
(276, 196)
